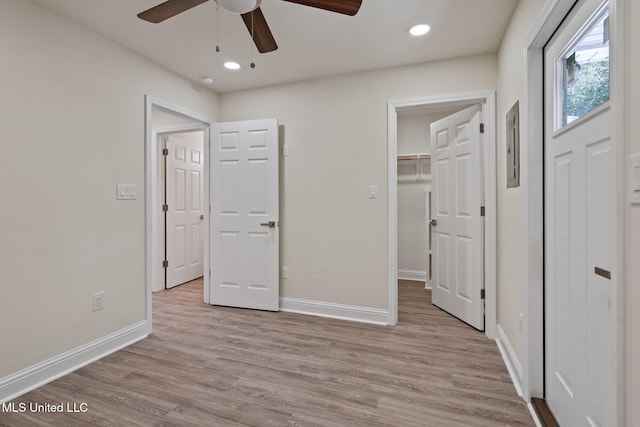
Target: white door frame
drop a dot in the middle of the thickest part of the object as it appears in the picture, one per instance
(532, 128)
(489, 118)
(152, 192)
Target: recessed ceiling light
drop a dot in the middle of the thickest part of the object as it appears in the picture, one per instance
(207, 80)
(419, 30)
(230, 65)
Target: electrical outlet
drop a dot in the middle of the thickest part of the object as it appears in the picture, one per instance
(98, 301)
(285, 272)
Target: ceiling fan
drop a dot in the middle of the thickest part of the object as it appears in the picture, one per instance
(250, 12)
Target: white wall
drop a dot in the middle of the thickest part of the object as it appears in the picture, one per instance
(162, 119)
(334, 238)
(511, 230)
(72, 117)
(412, 222)
(414, 132)
(413, 137)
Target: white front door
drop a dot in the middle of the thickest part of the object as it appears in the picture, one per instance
(580, 297)
(184, 219)
(245, 215)
(457, 222)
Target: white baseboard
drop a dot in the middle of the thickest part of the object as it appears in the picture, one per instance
(420, 276)
(534, 415)
(376, 316)
(37, 375)
(510, 359)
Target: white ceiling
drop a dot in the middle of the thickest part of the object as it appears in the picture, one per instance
(312, 42)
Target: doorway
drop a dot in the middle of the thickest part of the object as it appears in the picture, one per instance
(487, 100)
(430, 141)
(256, 144)
(579, 220)
(550, 20)
(164, 118)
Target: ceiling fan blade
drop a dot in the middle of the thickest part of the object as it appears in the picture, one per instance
(262, 36)
(346, 7)
(168, 9)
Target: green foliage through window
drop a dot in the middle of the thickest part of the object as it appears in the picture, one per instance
(590, 89)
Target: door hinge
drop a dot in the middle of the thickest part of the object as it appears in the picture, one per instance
(165, 151)
(482, 295)
(165, 208)
(481, 210)
(165, 264)
(481, 127)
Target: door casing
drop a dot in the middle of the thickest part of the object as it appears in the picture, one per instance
(487, 98)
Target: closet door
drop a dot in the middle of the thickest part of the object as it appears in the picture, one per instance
(457, 222)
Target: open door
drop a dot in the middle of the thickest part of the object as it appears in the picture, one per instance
(244, 214)
(457, 222)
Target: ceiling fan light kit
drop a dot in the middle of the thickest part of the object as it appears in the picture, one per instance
(239, 6)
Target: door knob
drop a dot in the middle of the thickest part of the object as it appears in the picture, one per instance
(270, 224)
(433, 222)
(201, 216)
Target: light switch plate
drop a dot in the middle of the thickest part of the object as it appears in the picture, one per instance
(373, 191)
(634, 179)
(126, 192)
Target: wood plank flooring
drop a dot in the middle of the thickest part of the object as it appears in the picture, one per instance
(218, 366)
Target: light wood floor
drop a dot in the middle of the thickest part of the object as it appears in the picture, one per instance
(217, 366)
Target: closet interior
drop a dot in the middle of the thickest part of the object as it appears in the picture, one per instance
(414, 191)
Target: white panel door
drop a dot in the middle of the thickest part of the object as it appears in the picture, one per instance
(244, 215)
(184, 219)
(457, 224)
(579, 223)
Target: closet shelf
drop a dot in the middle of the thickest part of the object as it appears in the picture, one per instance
(417, 156)
(421, 162)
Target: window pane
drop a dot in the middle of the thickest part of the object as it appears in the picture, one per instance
(586, 71)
